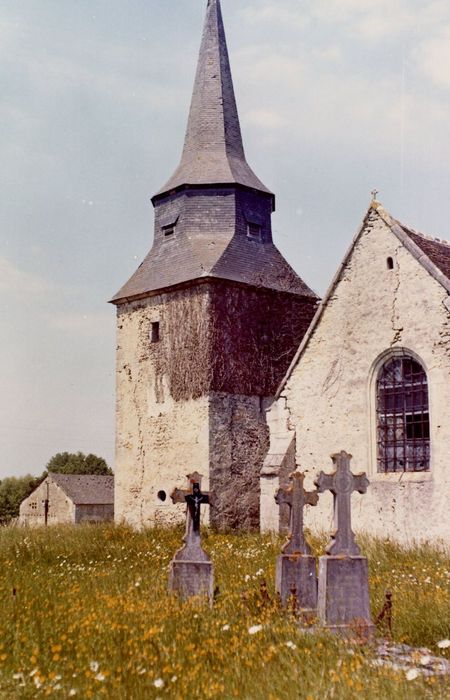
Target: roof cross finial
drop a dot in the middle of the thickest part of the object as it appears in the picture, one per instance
(374, 194)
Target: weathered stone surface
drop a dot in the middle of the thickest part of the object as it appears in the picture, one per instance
(343, 596)
(329, 398)
(191, 570)
(192, 578)
(342, 482)
(297, 573)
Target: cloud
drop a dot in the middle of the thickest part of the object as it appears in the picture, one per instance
(15, 281)
(86, 324)
(433, 58)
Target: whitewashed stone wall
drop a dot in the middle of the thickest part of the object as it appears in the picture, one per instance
(329, 398)
(159, 440)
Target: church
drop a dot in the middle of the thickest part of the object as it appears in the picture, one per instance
(372, 376)
(228, 365)
(208, 324)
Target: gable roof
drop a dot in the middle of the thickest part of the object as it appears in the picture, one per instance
(432, 253)
(86, 489)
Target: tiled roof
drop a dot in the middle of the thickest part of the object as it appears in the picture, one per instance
(213, 151)
(86, 489)
(436, 250)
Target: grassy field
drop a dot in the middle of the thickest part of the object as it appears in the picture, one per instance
(85, 613)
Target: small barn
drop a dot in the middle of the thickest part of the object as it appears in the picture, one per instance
(69, 498)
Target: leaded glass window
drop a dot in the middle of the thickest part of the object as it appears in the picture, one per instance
(403, 422)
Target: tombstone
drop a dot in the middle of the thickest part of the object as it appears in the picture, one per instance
(343, 599)
(296, 568)
(191, 570)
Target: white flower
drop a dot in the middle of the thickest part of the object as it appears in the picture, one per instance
(247, 577)
(37, 682)
(425, 660)
(174, 679)
(159, 683)
(137, 584)
(72, 692)
(444, 644)
(412, 674)
(291, 645)
(94, 666)
(225, 628)
(255, 629)
(100, 677)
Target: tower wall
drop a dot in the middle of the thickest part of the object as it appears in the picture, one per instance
(192, 395)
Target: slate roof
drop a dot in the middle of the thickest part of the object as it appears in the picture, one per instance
(213, 150)
(86, 489)
(215, 256)
(436, 250)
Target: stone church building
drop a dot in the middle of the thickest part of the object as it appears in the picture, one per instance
(372, 376)
(217, 371)
(208, 324)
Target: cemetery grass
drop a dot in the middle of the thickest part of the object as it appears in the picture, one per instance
(85, 613)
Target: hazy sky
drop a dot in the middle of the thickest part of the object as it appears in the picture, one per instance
(336, 97)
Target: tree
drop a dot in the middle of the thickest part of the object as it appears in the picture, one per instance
(13, 490)
(77, 463)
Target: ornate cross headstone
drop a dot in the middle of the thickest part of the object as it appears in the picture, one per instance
(343, 599)
(296, 568)
(342, 483)
(191, 570)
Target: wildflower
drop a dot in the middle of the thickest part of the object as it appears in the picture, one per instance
(412, 674)
(158, 683)
(225, 628)
(247, 577)
(444, 644)
(291, 645)
(72, 692)
(425, 660)
(100, 677)
(94, 666)
(255, 629)
(137, 584)
(37, 682)
(174, 679)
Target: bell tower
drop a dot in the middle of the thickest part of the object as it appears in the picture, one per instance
(208, 323)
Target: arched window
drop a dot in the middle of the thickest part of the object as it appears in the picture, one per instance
(403, 423)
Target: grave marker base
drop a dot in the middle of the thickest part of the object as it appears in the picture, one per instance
(343, 598)
(297, 571)
(192, 578)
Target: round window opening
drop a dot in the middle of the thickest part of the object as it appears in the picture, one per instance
(162, 495)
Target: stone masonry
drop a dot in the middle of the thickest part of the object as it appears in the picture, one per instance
(373, 310)
(208, 323)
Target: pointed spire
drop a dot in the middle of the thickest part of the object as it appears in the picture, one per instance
(213, 151)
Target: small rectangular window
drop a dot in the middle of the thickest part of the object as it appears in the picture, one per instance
(154, 332)
(254, 232)
(168, 231)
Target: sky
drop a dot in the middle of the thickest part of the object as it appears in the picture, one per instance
(336, 98)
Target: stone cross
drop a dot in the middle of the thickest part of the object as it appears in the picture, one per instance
(296, 498)
(194, 499)
(342, 482)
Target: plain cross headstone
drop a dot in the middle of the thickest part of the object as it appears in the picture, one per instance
(191, 570)
(342, 483)
(296, 568)
(343, 599)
